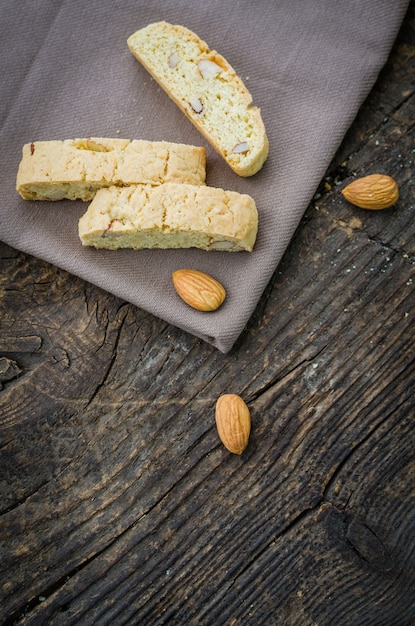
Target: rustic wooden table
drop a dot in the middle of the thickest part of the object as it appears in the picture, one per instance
(119, 505)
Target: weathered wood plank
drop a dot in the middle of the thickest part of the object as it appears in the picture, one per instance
(118, 504)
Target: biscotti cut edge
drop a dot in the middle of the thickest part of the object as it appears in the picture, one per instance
(77, 168)
(207, 90)
(171, 215)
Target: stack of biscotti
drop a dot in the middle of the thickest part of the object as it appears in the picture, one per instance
(208, 91)
(144, 194)
(153, 194)
(77, 168)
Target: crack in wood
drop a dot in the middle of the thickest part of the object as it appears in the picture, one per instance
(407, 256)
(253, 397)
(112, 360)
(369, 547)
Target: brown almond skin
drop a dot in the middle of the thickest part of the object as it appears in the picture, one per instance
(198, 289)
(375, 192)
(233, 422)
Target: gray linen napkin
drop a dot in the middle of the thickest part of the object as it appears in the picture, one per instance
(66, 72)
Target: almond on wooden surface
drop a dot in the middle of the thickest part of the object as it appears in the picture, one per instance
(233, 422)
(376, 191)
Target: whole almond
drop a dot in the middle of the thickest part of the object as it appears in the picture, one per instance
(233, 422)
(198, 290)
(376, 191)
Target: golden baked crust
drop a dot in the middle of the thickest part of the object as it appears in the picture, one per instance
(208, 91)
(171, 215)
(77, 168)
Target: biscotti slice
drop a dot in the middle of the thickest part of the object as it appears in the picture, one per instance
(207, 89)
(77, 168)
(172, 215)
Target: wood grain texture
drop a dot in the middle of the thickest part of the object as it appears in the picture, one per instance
(118, 503)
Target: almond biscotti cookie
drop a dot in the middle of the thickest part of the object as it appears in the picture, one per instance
(207, 89)
(77, 168)
(171, 215)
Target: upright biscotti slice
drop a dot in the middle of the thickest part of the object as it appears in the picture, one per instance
(77, 168)
(207, 89)
(172, 215)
